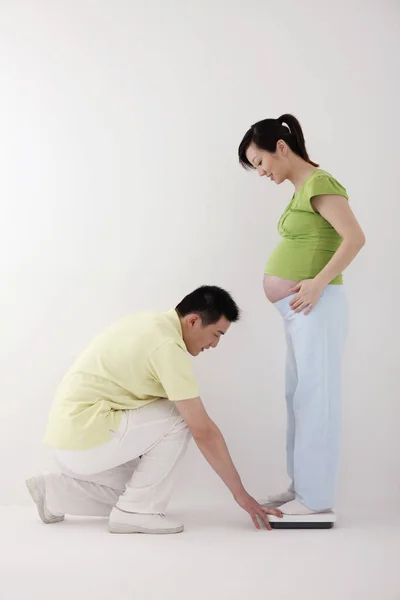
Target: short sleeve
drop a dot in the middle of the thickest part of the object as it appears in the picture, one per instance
(170, 365)
(325, 184)
(319, 185)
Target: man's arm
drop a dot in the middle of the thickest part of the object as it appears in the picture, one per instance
(212, 445)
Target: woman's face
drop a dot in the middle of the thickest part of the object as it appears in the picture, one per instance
(268, 164)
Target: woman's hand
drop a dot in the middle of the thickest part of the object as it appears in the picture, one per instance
(256, 511)
(308, 293)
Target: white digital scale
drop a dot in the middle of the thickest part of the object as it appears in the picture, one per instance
(324, 520)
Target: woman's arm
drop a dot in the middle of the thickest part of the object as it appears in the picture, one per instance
(336, 210)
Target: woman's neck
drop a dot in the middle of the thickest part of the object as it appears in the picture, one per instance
(300, 172)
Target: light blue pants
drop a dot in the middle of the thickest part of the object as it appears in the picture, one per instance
(313, 386)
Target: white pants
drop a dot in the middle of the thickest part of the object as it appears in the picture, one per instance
(313, 387)
(136, 470)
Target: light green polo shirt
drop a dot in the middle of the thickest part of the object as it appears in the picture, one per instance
(308, 240)
(140, 359)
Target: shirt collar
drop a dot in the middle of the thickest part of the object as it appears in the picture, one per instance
(175, 320)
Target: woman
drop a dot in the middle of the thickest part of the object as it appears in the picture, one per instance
(303, 278)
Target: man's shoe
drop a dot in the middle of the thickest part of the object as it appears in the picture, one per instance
(37, 489)
(121, 521)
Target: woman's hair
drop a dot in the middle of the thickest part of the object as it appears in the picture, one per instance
(266, 134)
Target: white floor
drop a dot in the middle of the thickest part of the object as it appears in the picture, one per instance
(219, 556)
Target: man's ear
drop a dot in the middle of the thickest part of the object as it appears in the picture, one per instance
(193, 319)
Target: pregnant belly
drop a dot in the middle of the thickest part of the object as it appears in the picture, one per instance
(276, 288)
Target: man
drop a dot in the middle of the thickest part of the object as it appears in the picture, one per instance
(124, 414)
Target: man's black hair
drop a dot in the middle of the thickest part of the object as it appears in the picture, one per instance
(211, 303)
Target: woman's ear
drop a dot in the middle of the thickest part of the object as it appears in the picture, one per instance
(282, 148)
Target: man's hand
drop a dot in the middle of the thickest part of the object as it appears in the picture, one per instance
(211, 443)
(256, 511)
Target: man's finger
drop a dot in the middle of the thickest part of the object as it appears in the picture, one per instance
(255, 521)
(272, 511)
(265, 519)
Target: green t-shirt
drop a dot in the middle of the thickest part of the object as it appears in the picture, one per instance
(308, 240)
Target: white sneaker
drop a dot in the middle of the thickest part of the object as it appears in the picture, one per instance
(278, 499)
(125, 522)
(295, 507)
(37, 489)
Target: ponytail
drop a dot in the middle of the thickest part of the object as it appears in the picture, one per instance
(297, 133)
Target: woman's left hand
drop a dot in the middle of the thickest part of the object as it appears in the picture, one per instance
(308, 293)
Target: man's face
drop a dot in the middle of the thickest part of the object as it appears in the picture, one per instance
(198, 337)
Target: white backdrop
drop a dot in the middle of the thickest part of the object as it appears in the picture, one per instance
(120, 191)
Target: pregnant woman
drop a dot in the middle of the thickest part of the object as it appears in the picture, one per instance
(303, 279)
